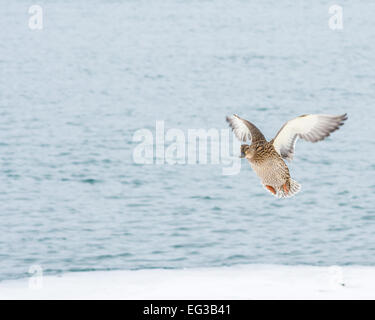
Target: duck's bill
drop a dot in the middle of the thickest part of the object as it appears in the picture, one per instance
(242, 155)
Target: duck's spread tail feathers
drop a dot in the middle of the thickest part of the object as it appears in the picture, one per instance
(294, 188)
(286, 192)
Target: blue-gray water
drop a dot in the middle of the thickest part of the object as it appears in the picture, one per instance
(73, 94)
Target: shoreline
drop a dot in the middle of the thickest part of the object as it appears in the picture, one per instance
(236, 282)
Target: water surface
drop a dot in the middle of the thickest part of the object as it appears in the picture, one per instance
(73, 94)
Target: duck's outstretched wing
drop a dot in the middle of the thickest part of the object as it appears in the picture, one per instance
(245, 130)
(310, 127)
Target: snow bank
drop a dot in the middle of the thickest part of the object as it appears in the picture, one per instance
(238, 282)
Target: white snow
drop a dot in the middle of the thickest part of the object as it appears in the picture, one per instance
(236, 282)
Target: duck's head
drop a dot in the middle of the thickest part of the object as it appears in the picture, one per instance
(247, 151)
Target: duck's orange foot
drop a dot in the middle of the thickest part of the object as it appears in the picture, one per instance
(271, 189)
(286, 189)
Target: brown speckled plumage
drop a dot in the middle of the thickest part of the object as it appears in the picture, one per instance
(267, 157)
(269, 166)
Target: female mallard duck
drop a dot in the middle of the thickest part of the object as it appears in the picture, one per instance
(266, 157)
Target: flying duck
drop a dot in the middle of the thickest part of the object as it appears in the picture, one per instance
(267, 157)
